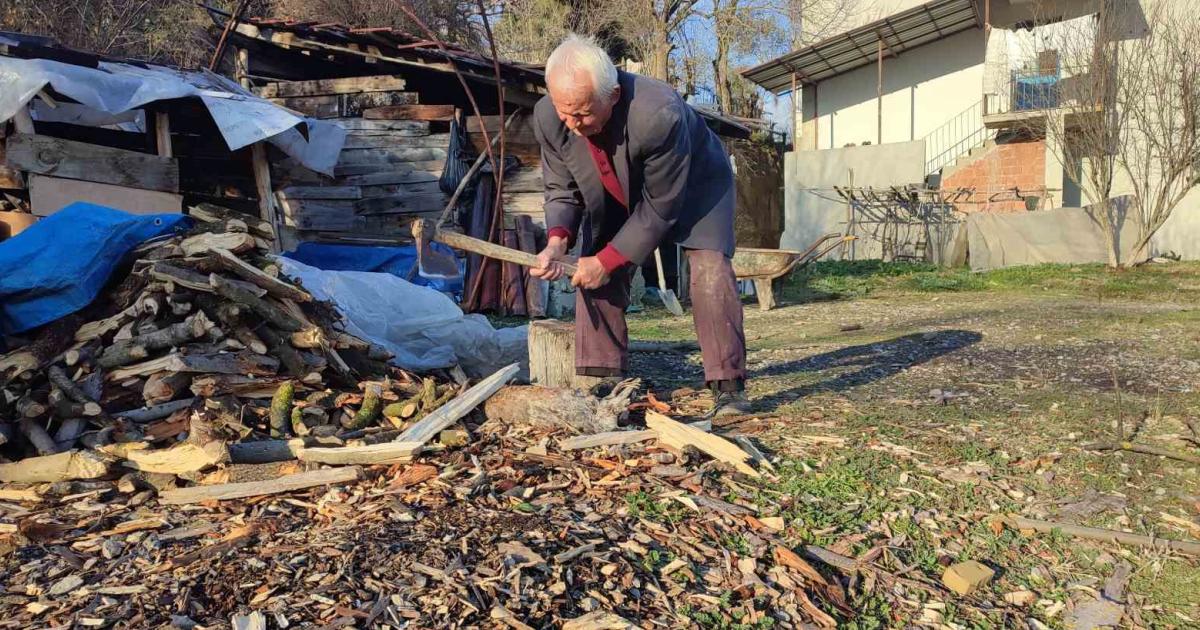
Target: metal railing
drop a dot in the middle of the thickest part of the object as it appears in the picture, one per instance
(1034, 90)
(955, 138)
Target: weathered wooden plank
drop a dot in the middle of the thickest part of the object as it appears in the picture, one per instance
(423, 188)
(323, 87)
(298, 481)
(10, 178)
(429, 166)
(320, 192)
(391, 178)
(385, 453)
(48, 195)
(438, 140)
(342, 105)
(678, 435)
(410, 112)
(400, 204)
(389, 155)
(93, 163)
(451, 412)
(362, 126)
(608, 438)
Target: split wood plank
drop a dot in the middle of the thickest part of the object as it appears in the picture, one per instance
(443, 113)
(363, 126)
(236, 242)
(262, 187)
(320, 192)
(272, 285)
(608, 438)
(325, 87)
(155, 412)
(679, 435)
(93, 163)
(298, 481)
(48, 195)
(66, 466)
(400, 204)
(162, 134)
(240, 363)
(1106, 535)
(384, 453)
(453, 411)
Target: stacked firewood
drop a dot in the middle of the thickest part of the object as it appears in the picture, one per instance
(194, 344)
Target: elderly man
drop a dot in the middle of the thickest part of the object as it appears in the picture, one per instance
(627, 165)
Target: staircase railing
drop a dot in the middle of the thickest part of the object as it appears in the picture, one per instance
(955, 138)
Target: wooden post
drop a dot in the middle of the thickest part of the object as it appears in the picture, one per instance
(266, 197)
(162, 134)
(552, 355)
(241, 67)
(846, 244)
(879, 92)
(23, 121)
(796, 117)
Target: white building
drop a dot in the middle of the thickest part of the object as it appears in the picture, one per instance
(950, 94)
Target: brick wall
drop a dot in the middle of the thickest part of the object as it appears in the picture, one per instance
(1019, 163)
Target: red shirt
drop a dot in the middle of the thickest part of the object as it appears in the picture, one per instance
(609, 257)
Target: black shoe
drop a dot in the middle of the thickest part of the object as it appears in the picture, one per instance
(730, 404)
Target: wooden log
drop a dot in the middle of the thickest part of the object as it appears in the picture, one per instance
(8, 433)
(679, 435)
(288, 483)
(211, 213)
(69, 387)
(249, 339)
(172, 336)
(66, 408)
(322, 87)
(453, 411)
(442, 113)
(220, 363)
(281, 409)
(156, 412)
(165, 386)
(122, 353)
(28, 407)
(608, 438)
(180, 276)
(236, 242)
(559, 408)
(281, 347)
(213, 385)
(369, 411)
(46, 155)
(37, 436)
(67, 466)
(226, 260)
(265, 451)
(385, 453)
(179, 459)
(273, 314)
(68, 432)
(552, 356)
(100, 328)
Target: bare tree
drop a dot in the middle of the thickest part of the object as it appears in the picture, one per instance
(453, 20)
(529, 30)
(1124, 116)
(651, 28)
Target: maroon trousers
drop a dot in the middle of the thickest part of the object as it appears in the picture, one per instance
(602, 339)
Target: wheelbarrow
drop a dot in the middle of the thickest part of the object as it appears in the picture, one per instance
(764, 266)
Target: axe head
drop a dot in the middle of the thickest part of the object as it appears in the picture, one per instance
(431, 263)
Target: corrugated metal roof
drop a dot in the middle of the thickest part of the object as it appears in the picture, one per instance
(859, 47)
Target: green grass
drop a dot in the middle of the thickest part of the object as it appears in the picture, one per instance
(852, 279)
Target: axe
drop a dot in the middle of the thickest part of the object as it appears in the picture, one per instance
(437, 265)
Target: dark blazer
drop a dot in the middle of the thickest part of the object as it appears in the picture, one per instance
(674, 171)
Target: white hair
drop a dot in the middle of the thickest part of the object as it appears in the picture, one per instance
(578, 52)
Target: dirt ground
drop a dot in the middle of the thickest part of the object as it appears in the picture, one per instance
(910, 408)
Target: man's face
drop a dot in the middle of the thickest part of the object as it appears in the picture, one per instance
(578, 108)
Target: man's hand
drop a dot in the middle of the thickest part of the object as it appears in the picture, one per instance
(589, 274)
(548, 267)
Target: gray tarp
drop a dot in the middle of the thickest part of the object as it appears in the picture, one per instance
(1065, 235)
(116, 88)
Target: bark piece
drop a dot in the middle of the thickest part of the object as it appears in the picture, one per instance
(179, 459)
(608, 438)
(385, 453)
(288, 483)
(553, 408)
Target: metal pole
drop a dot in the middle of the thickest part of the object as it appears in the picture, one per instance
(795, 116)
(879, 63)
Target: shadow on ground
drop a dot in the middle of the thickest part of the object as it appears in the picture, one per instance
(864, 364)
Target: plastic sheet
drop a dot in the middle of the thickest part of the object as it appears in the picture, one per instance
(115, 88)
(398, 261)
(61, 263)
(423, 328)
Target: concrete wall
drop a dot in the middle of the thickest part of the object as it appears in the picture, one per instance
(923, 88)
(812, 208)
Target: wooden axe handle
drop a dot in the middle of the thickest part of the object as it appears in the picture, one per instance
(424, 229)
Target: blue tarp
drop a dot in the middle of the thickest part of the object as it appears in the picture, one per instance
(59, 264)
(398, 261)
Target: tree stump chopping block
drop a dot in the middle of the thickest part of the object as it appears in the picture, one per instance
(552, 356)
